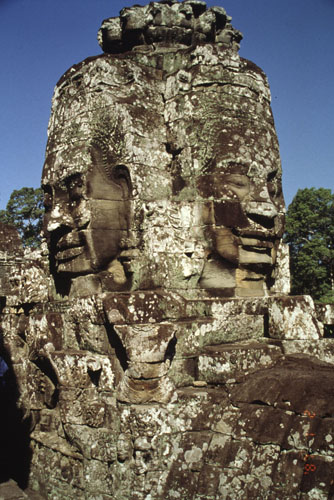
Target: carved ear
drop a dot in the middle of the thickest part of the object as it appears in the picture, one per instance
(102, 158)
(121, 175)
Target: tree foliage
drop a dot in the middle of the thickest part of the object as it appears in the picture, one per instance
(310, 234)
(25, 211)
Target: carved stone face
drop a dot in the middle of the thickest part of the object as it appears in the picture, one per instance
(246, 219)
(207, 209)
(244, 222)
(86, 211)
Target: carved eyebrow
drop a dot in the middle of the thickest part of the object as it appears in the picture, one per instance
(232, 167)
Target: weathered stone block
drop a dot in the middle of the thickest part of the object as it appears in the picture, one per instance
(272, 386)
(197, 409)
(289, 471)
(79, 369)
(146, 342)
(222, 452)
(179, 481)
(143, 307)
(263, 424)
(46, 420)
(183, 371)
(11, 243)
(98, 444)
(69, 482)
(322, 350)
(223, 327)
(82, 407)
(293, 318)
(97, 478)
(12, 341)
(43, 330)
(28, 282)
(227, 363)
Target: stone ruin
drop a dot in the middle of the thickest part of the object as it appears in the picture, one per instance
(156, 352)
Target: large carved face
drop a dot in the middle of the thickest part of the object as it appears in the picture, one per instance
(86, 210)
(207, 205)
(245, 220)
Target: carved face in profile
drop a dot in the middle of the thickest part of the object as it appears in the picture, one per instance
(245, 221)
(86, 210)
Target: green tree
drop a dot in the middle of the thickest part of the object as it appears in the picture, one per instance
(310, 234)
(25, 211)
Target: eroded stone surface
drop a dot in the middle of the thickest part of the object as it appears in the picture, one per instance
(162, 166)
(245, 414)
(178, 24)
(159, 356)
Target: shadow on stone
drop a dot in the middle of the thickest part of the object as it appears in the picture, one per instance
(15, 454)
(118, 346)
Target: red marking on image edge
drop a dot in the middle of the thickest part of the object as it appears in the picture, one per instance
(310, 467)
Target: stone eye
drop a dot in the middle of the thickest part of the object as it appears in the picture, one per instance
(47, 201)
(75, 187)
(237, 182)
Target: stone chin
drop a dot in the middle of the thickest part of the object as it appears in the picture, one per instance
(256, 253)
(251, 257)
(239, 265)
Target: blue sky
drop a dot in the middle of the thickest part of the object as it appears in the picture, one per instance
(291, 40)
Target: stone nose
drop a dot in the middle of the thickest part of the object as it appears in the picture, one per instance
(59, 217)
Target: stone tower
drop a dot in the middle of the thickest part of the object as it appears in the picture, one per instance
(156, 350)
